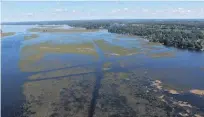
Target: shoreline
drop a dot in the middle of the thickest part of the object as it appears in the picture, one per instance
(146, 39)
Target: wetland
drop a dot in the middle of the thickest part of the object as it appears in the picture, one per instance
(55, 71)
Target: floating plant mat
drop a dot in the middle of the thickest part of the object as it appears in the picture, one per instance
(114, 50)
(68, 97)
(31, 55)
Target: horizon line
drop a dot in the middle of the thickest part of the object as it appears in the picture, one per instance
(106, 19)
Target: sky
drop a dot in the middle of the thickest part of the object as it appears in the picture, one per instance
(18, 11)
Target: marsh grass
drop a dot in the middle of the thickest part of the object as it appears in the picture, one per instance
(114, 50)
(49, 47)
(32, 36)
(33, 54)
(40, 65)
(107, 65)
(161, 54)
(49, 97)
(151, 46)
(5, 34)
(122, 94)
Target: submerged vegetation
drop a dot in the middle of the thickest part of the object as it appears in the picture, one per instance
(162, 54)
(32, 36)
(69, 96)
(114, 50)
(127, 94)
(31, 55)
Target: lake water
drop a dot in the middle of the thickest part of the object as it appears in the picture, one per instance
(180, 69)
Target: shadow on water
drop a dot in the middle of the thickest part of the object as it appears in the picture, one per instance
(61, 77)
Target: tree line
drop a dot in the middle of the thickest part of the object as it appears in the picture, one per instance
(179, 34)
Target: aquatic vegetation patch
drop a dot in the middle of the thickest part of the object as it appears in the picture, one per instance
(32, 36)
(49, 47)
(161, 54)
(125, 94)
(202, 68)
(30, 55)
(107, 65)
(40, 65)
(5, 34)
(114, 50)
(130, 62)
(65, 97)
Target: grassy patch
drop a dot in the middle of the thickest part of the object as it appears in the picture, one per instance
(49, 47)
(162, 54)
(33, 54)
(59, 97)
(107, 65)
(123, 94)
(5, 34)
(32, 36)
(114, 50)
